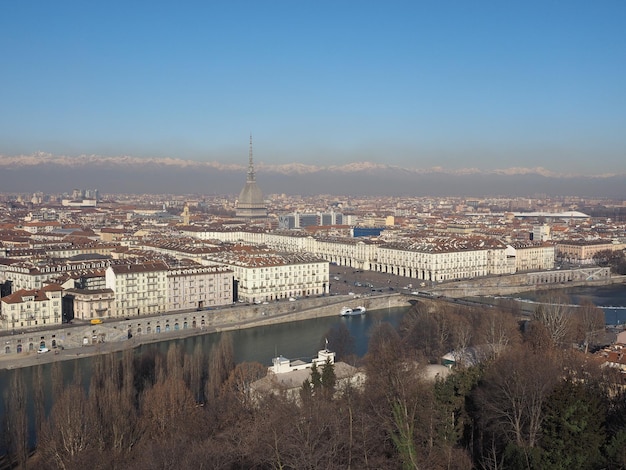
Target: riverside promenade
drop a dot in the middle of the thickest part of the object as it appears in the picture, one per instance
(348, 287)
(81, 340)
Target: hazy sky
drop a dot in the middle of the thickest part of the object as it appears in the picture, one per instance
(440, 83)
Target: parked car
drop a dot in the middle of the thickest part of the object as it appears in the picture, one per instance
(42, 350)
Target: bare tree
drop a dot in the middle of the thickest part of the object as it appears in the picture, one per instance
(221, 363)
(428, 332)
(193, 372)
(239, 382)
(167, 408)
(340, 341)
(462, 333)
(555, 314)
(498, 329)
(70, 429)
(111, 400)
(174, 362)
(16, 420)
(39, 400)
(513, 393)
(591, 322)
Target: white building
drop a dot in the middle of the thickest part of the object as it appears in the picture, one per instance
(30, 308)
(430, 258)
(26, 275)
(92, 303)
(443, 258)
(140, 289)
(541, 233)
(264, 275)
(531, 256)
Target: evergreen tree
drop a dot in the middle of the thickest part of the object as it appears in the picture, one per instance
(328, 378)
(573, 427)
(316, 378)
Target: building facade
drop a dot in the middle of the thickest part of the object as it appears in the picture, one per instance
(199, 287)
(140, 289)
(263, 276)
(531, 256)
(30, 308)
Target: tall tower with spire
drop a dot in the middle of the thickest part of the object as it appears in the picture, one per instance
(250, 204)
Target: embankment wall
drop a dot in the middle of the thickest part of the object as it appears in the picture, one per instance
(182, 324)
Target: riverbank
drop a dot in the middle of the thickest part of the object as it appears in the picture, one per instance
(112, 336)
(75, 341)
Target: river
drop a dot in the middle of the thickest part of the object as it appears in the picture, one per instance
(299, 339)
(605, 297)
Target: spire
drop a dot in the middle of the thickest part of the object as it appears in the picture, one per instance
(250, 164)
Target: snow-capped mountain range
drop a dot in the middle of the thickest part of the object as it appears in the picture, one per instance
(46, 172)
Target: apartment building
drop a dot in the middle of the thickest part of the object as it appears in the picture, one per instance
(583, 251)
(29, 276)
(140, 288)
(29, 308)
(265, 275)
(431, 258)
(530, 256)
(87, 304)
(442, 259)
(357, 253)
(199, 287)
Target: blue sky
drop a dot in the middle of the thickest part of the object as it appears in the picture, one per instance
(450, 83)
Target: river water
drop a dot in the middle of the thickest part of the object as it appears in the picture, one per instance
(612, 299)
(294, 340)
(300, 339)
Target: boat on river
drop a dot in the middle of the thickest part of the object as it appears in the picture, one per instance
(349, 312)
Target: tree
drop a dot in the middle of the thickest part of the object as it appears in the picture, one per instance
(590, 321)
(340, 341)
(112, 400)
(193, 365)
(428, 333)
(497, 330)
(615, 259)
(221, 363)
(240, 380)
(573, 427)
(316, 378)
(511, 398)
(70, 429)
(39, 401)
(555, 314)
(16, 420)
(328, 379)
(616, 422)
(462, 333)
(167, 409)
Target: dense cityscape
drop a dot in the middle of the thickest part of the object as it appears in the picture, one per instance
(122, 255)
(84, 273)
(418, 263)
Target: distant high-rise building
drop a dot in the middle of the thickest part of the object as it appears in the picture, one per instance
(302, 219)
(540, 233)
(250, 204)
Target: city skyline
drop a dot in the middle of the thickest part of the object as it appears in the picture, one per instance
(460, 89)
